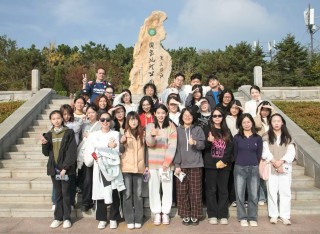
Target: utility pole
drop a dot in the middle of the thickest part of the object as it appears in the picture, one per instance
(311, 27)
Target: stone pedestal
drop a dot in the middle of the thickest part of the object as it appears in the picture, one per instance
(150, 61)
(35, 80)
(257, 76)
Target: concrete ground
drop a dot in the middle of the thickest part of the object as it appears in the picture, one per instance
(300, 224)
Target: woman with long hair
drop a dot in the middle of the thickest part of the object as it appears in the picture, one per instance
(247, 154)
(102, 103)
(133, 166)
(279, 150)
(161, 139)
(217, 164)
(146, 111)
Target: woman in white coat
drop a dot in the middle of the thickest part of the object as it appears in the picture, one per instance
(102, 152)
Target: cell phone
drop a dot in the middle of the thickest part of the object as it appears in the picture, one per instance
(65, 178)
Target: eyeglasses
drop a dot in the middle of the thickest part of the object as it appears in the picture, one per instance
(109, 92)
(216, 116)
(104, 119)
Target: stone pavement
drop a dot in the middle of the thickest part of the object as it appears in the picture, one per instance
(300, 224)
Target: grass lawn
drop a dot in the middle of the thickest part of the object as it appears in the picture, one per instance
(7, 108)
(304, 114)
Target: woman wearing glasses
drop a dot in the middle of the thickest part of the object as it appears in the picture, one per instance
(102, 152)
(217, 164)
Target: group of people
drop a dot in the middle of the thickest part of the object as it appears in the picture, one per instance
(191, 145)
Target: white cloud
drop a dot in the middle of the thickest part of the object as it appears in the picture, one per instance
(212, 24)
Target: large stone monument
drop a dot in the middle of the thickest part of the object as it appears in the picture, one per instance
(150, 61)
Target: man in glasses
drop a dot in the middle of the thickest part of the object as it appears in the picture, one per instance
(97, 87)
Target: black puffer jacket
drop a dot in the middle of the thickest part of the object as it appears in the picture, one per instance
(67, 158)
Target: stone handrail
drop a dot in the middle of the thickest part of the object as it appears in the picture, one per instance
(308, 148)
(17, 123)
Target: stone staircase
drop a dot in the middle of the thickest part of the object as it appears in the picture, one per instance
(25, 189)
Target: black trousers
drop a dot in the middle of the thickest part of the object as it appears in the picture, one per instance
(101, 212)
(217, 193)
(85, 179)
(232, 192)
(62, 198)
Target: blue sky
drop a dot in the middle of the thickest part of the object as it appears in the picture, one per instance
(203, 24)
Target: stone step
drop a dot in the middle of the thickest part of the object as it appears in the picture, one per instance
(32, 172)
(303, 181)
(43, 117)
(47, 112)
(34, 134)
(25, 183)
(305, 193)
(23, 163)
(24, 155)
(29, 140)
(44, 123)
(39, 129)
(29, 148)
(26, 196)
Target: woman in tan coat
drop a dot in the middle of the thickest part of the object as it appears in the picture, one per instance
(133, 167)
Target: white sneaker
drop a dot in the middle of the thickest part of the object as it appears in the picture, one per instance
(253, 223)
(285, 221)
(244, 223)
(55, 223)
(274, 220)
(67, 224)
(213, 221)
(113, 224)
(130, 226)
(53, 207)
(261, 203)
(165, 219)
(102, 224)
(234, 204)
(224, 221)
(137, 225)
(157, 219)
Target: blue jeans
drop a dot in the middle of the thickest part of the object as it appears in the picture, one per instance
(132, 198)
(247, 177)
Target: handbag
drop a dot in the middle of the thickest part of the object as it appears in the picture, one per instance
(264, 169)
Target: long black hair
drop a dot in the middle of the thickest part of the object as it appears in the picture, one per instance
(253, 127)
(116, 121)
(285, 137)
(222, 133)
(166, 121)
(199, 87)
(150, 101)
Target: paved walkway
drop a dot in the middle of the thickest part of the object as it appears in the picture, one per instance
(300, 224)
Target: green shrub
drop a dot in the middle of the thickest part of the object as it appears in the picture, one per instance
(7, 108)
(62, 93)
(304, 114)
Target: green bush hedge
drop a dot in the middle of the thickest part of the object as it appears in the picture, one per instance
(304, 114)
